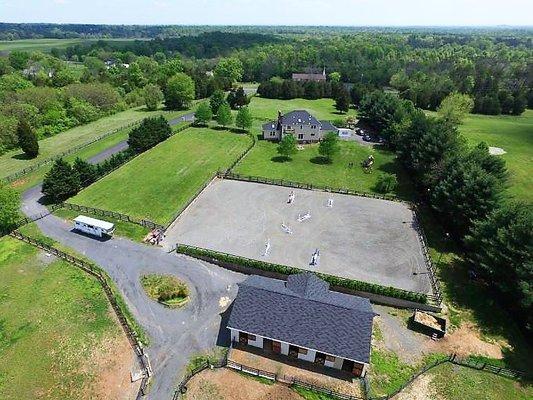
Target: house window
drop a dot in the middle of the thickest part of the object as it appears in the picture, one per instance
(251, 337)
(300, 136)
(313, 126)
(272, 133)
(330, 358)
(312, 134)
(301, 126)
(302, 351)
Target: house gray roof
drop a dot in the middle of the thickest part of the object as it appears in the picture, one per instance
(327, 126)
(308, 77)
(304, 312)
(299, 117)
(269, 125)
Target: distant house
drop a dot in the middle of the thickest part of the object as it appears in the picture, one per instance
(309, 77)
(304, 320)
(300, 123)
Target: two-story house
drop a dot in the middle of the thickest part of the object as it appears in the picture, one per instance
(301, 124)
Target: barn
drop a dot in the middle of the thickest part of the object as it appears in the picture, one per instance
(302, 319)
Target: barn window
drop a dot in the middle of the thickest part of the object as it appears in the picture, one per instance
(302, 351)
(330, 358)
(251, 337)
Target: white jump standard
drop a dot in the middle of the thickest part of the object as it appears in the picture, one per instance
(291, 197)
(304, 217)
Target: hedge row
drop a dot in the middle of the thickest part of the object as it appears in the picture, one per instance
(350, 284)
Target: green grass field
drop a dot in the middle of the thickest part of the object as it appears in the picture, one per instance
(14, 161)
(45, 45)
(515, 136)
(157, 183)
(51, 314)
(451, 382)
(306, 167)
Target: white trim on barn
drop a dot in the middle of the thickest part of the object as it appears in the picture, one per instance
(309, 355)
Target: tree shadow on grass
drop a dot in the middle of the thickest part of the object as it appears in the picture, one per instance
(490, 316)
(21, 156)
(280, 159)
(320, 160)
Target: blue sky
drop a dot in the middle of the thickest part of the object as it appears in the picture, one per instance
(272, 12)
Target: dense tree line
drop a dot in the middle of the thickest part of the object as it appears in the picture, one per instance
(464, 186)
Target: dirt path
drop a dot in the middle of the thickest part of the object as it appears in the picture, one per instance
(224, 384)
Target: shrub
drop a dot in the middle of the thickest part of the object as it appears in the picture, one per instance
(386, 183)
(346, 283)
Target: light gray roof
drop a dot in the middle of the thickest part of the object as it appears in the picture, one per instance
(304, 312)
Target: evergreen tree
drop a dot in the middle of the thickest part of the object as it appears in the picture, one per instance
(224, 117)
(27, 139)
(501, 249)
(244, 118)
(150, 132)
(329, 146)
(86, 172)
(465, 193)
(342, 102)
(203, 114)
(61, 182)
(216, 100)
(287, 147)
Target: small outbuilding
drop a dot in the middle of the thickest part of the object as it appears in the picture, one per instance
(304, 320)
(93, 226)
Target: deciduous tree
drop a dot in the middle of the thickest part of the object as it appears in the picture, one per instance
(287, 146)
(224, 117)
(179, 92)
(455, 107)
(329, 146)
(9, 208)
(203, 114)
(152, 96)
(244, 118)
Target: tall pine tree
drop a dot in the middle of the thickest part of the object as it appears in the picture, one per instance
(27, 139)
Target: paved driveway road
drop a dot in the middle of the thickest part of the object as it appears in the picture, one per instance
(175, 335)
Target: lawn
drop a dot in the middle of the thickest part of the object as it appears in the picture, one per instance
(45, 45)
(33, 178)
(51, 316)
(452, 382)
(158, 183)
(14, 160)
(306, 167)
(165, 289)
(514, 134)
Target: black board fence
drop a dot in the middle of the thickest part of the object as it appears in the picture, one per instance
(126, 320)
(16, 175)
(453, 359)
(182, 386)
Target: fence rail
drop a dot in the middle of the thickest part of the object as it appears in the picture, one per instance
(182, 386)
(436, 297)
(102, 278)
(31, 168)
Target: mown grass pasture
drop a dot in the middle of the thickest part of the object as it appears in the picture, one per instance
(159, 182)
(52, 317)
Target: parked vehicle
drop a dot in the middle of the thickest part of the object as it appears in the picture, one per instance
(93, 226)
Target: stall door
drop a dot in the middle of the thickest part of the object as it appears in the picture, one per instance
(276, 347)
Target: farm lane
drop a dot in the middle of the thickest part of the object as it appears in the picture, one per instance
(175, 335)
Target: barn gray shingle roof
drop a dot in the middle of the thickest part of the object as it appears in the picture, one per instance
(304, 312)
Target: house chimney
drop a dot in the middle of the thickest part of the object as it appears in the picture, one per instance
(280, 117)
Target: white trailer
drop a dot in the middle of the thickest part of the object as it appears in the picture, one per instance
(93, 226)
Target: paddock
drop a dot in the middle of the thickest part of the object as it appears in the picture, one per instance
(356, 237)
